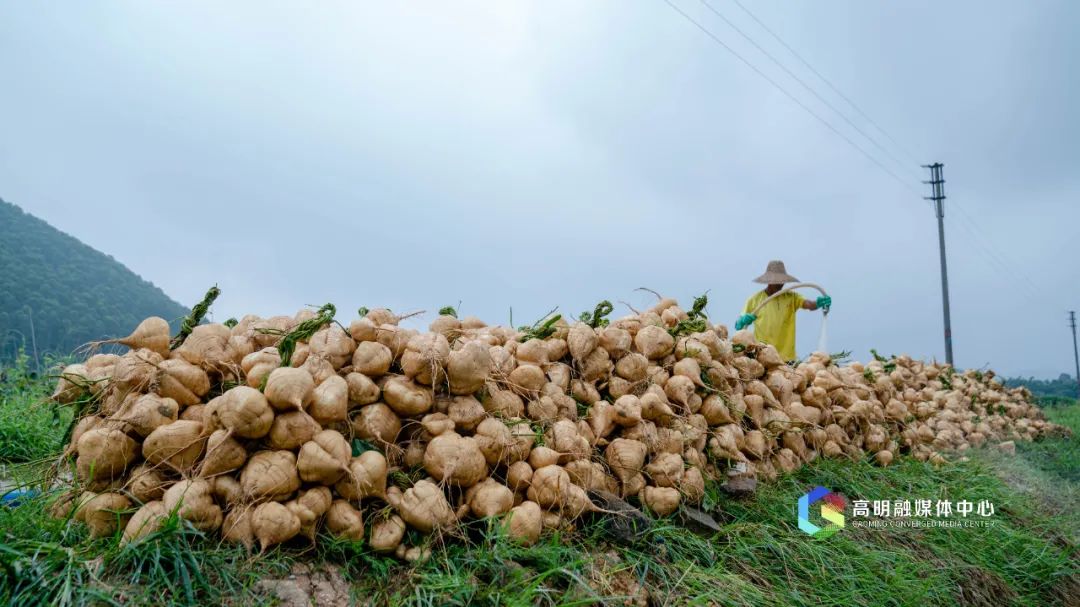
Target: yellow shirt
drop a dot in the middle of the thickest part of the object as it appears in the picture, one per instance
(775, 322)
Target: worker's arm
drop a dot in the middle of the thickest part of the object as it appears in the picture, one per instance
(821, 302)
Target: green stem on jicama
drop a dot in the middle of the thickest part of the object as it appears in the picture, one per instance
(192, 320)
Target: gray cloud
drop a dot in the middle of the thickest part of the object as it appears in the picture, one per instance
(527, 155)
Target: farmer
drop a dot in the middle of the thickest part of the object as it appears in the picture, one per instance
(776, 321)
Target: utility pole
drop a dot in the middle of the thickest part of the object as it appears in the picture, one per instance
(938, 196)
(1076, 357)
(33, 339)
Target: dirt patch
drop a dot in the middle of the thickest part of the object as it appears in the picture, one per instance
(611, 577)
(1065, 592)
(307, 586)
(981, 588)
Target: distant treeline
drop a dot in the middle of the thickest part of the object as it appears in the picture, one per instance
(1050, 391)
(57, 293)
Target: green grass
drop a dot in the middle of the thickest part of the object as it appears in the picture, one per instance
(759, 557)
(30, 428)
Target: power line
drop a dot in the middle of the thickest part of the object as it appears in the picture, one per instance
(806, 86)
(989, 246)
(793, 98)
(826, 81)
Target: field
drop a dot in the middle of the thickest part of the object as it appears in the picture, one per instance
(757, 557)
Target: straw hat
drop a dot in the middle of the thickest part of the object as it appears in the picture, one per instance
(775, 274)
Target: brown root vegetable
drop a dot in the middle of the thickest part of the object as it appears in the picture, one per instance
(145, 521)
(503, 403)
(195, 413)
(147, 413)
(596, 366)
(533, 352)
(192, 500)
(363, 330)
(207, 347)
(679, 389)
(525, 522)
(104, 513)
(692, 485)
(227, 490)
(436, 424)
(394, 337)
(489, 498)
(244, 411)
(632, 367)
(178, 445)
(661, 500)
(501, 443)
(318, 368)
(425, 358)
(292, 429)
(324, 459)
(883, 457)
(104, 454)
(455, 459)
(616, 341)
(665, 470)
(81, 427)
(576, 503)
(236, 527)
(257, 366)
(655, 408)
(690, 369)
(272, 523)
(654, 342)
(549, 487)
(344, 521)
(519, 476)
(423, 506)
(376, 422)
(270, 475)
(466, 412)
(330, 401)
(309, 506)
(366, 477)
(147, 483)
(754, 444)
(135, 371)
(372, 359)
(406, 398)
(560, 374)
(387, 533)
(582, 340)
(564, 438)
(468, 368)
(152, 334)
(74, 381)
(446, 325)
(591, 476)
(223, 454)
(289, 389)
(542, 409)
(627, 410)
(626, 458)
(333, 344)
(602, 418)
(526, 380)
(182, 381)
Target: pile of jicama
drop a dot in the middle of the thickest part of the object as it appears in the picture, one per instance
(270, 429)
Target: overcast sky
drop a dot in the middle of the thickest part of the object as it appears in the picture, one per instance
(534, 154)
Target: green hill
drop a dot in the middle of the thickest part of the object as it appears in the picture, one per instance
(71, 292)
